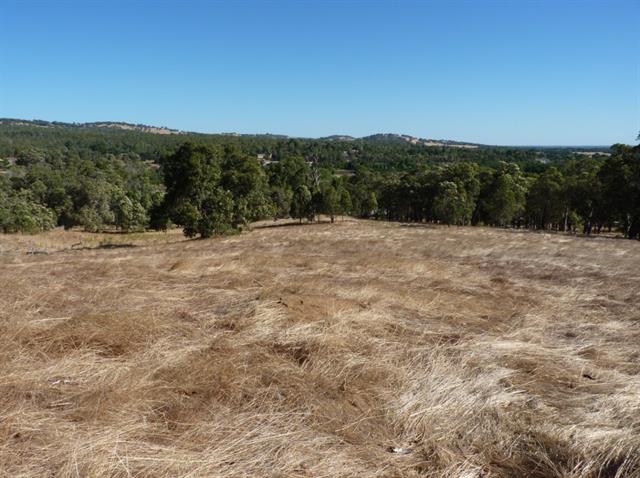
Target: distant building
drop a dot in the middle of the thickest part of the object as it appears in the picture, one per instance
(265, 159)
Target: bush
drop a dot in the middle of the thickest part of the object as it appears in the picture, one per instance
(20, 213)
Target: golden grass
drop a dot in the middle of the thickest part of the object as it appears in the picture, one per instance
(348, 349)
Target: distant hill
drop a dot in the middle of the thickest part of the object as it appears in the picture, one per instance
(379, 138)
(403, 138)
(338, 137)
(142, 128)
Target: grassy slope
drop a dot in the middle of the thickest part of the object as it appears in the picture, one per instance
(312, 351)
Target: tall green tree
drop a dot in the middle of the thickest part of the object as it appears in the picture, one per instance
(450, 204)
(620, 180)
(246, 180)
(546, 202)
(21, 212)
(291, 185)
(331, 204)
(194, 196)
(502, 196)
(301, 204)
(583, 193)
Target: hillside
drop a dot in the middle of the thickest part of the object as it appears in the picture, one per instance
(378, 138)
(354, 349)
(115, 125)
(404, 138)
(142, 128)
(380, 152)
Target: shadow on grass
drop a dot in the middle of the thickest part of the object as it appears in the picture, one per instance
(579, 235)
(419, 225)
(116, 232)
(293, 224)
(522, 230)
(117, 246)
(100, 246)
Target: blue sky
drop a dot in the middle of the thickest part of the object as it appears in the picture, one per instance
(495, 72)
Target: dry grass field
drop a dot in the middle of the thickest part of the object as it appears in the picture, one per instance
(353, 349)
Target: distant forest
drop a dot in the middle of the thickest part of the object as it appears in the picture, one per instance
(100, 178)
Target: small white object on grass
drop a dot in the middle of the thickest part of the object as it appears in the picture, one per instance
(400, 450)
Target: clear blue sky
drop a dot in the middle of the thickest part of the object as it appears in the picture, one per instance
(508, 72)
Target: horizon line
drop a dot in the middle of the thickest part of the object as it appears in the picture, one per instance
(230, 133)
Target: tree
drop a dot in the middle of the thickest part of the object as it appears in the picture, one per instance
(130, 215)
(583, 193)
(362, 188)
(281, 198)
(290, 181)
(245, 179)
(301, 203)
(546, 203)
(20, 212)
(93, 205)
(450, 204)
(466, 178)
(330, 201)
(502, 196)
(370, 204)
(620, 179)
(346, 206)
(194, 197)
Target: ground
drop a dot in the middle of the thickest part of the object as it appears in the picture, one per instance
(357, 348)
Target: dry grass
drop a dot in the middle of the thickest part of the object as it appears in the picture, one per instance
(353, 349)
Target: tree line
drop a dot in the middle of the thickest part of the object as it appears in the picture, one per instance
(582, 195)
(211, 191)
(24, 138)
(213, 188)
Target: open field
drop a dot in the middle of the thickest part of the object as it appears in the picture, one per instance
(352, 349)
